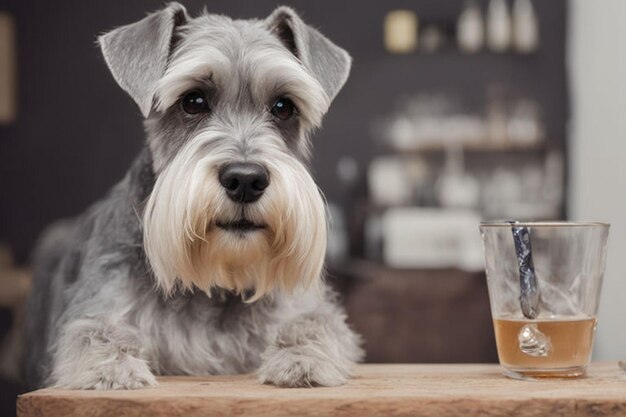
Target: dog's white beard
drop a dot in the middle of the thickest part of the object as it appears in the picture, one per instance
(185, 248)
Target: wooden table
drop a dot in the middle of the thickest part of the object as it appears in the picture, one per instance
(379, 390)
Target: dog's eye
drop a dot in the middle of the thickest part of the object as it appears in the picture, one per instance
(194, 102)
(283, 108)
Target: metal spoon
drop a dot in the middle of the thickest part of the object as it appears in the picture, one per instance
(529, 293)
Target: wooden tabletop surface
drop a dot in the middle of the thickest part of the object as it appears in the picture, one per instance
(381, 390)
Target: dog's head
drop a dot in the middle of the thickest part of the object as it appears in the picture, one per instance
(229, 106)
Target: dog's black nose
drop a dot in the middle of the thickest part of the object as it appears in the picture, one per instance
(244, 182)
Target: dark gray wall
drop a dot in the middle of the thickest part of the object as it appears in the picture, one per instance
(77, 131)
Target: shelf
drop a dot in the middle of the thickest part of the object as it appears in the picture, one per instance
(483, 146)
(457, 52)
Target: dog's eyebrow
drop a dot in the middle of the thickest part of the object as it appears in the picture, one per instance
(186, 71)
(278, 73)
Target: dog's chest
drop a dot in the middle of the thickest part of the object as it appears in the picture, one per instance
(197, 335)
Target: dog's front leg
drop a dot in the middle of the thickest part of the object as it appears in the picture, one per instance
(312, 350)
(99, 354)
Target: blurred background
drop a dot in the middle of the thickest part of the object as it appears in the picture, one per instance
(455, 111)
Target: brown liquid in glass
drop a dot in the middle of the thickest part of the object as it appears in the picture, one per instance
(571, 343)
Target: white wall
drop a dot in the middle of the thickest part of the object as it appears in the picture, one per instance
(597, 76)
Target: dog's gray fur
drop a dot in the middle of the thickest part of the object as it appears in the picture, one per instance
(103, 315)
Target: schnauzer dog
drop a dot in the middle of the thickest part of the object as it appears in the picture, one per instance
(207, 258)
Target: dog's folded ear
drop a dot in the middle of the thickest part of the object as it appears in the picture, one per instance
(137, 54)
(326, 61)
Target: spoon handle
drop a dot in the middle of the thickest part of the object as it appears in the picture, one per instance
(529, 293)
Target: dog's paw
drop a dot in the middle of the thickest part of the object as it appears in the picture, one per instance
(289, 368)
(127, 373)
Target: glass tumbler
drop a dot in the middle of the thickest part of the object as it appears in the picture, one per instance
(544, 281)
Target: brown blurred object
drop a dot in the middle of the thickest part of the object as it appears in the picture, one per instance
(8, 70)
(418, 316)
(15, 284)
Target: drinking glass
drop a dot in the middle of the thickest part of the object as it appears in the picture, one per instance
(554, 337)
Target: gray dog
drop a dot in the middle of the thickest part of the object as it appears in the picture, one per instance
(207, 258)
